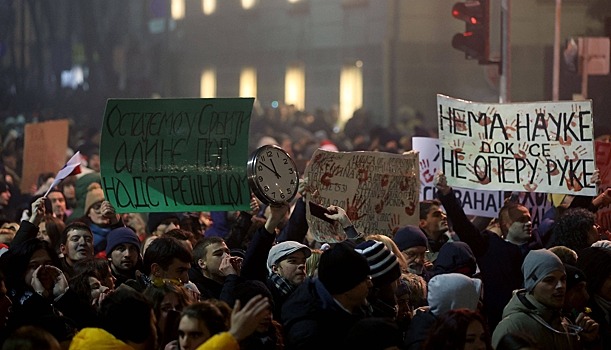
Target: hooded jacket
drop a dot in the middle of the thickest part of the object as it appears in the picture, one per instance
(525, 314)
(446, 292)
(97, 339)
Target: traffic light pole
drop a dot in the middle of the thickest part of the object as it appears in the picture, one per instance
(505, 79)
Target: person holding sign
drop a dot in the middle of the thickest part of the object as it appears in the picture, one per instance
(499, 258)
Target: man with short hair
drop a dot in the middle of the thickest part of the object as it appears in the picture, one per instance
(328, 306)
(76, 244)
(208, 255)
(166, 259)
(58, 204)
(536, 308)
(434, 223)
(123, 253)
(127, 321)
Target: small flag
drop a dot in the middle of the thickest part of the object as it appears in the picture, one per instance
(73, 167)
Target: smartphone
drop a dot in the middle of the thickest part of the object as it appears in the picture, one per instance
(319, 211)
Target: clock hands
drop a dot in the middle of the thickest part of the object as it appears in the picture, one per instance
(272, 170)
(275, 171)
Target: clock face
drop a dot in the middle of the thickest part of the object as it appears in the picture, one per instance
(272, 174)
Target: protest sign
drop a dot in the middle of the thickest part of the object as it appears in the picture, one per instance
(603, 163)
(44, 150)
(378, 191)
(533, 147)
(174, 155)
(474, 202)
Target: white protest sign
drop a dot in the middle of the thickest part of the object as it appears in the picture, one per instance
(474, 202)
(378, 191)
(532, 147)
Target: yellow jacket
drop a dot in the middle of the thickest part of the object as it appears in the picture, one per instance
(96, 339)
(221, 341)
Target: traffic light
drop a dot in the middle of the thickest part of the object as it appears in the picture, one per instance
(474, 41)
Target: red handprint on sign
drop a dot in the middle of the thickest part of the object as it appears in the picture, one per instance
(572, 181)
(325, 180)
(522, 149)
(511, 128)
(480, 174)
(457, 147)
(485, 119)
(394, 223)
(460, 121)
(410, 209)
(385, 180)
(352, 210)
(427, 173)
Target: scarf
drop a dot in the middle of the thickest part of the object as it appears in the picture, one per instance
(284, 287)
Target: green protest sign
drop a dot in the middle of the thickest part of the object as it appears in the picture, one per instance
(174, 155)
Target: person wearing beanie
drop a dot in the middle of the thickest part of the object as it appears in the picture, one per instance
(100, 216)
(413, 244)
(385, 271)
(123, 253)
(576, 297)
(160, 223)
(328, 306)
(536, 309)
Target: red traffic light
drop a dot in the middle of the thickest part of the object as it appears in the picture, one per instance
(474, 40)
(469, 12)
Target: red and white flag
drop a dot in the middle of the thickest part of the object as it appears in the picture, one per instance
(73, 167)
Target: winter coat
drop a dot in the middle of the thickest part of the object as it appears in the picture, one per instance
(312, 319)
(525, 314)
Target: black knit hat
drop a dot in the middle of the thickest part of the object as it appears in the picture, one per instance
(595, 262)
(410, 236)
(573, 276)
(155, 219)
(383, 264)
(341, 268)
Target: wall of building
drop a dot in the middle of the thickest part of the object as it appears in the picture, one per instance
(413, 59)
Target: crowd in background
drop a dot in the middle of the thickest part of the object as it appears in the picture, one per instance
(78, 275)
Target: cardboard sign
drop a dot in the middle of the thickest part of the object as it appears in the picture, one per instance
(44, 150)
(378, 191)
(174, 155)
(532, 147)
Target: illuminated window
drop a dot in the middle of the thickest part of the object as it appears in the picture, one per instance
(350, 90)
(248, 4)
(293, 1)
(207, 87)
(208, 6)
(294, 86)
(178, 9)
(248, 82)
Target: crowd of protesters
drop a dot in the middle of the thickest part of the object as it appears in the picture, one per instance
(75, 274)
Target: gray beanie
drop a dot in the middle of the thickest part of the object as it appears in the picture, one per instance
(538, 264)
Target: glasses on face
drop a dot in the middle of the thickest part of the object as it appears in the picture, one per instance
(97, 206)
